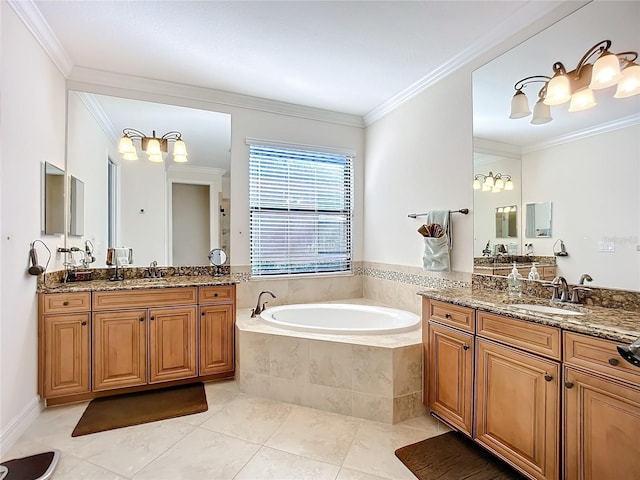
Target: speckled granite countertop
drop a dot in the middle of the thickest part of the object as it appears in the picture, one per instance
(138, 283)
(610, 323)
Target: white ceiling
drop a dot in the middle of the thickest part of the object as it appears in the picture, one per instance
(342, 56)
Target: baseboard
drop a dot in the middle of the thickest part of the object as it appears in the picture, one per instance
(19, 424)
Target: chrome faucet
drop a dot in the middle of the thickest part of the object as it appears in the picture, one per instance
(258, 310)
(152, 271)
(583, 277)
(558, 283)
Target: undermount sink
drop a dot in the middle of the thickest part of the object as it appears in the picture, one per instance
(546, 309)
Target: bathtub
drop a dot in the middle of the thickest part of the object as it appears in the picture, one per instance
(339, 318)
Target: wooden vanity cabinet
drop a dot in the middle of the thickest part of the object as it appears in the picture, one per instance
(217, 330)
(601, 411)
(64, 353)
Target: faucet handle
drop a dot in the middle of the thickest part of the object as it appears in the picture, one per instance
(575, 296)
(556, 288)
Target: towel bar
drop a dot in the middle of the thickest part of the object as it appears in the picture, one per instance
(464, 211)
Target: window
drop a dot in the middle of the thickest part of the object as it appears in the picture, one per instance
(300, 211)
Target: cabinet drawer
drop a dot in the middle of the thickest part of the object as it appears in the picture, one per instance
(144, 298)
(532, 337)
(66, 302)
(448, 314)
(599, 355)
(548, 272)
(222, 293)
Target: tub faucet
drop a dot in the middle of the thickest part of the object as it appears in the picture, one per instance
(258, 310)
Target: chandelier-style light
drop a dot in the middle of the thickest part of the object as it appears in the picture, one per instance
(153, 146)
(492, 183)
(577, 85)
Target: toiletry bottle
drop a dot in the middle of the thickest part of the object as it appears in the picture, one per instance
(533, 274)
(514, 282)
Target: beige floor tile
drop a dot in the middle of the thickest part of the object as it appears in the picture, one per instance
(374, 446)
(216, 399)
(274, 464)
(424, 422)
(72, 468)
(249, 418)
(230, 385)
(128, 450)
(349, 474)
(315, 434)
(201, 455)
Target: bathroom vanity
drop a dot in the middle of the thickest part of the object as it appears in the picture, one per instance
(98, 338)
(547, 393)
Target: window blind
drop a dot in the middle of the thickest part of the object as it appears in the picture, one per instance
(300, 211)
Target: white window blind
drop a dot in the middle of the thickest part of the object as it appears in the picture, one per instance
(301, 211)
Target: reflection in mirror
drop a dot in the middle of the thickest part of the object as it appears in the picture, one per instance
(538, 220)
(139, 204)
(76, 207)
(53, 200)
(570, 160)
(507, 221)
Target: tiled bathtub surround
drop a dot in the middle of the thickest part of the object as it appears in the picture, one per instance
(597, 297)
(376, 377)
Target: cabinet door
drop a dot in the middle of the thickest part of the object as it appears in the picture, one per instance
(451, 375)
(67, 361)
(517, 408)
(217, 325)
(119, 349)
(172, 344)
(602, 421)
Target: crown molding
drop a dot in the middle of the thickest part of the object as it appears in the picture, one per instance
(630, 121)
(491, 147)
(526, 16)
(96, 110)
(177, 170)
(30, 15)
(98, 81)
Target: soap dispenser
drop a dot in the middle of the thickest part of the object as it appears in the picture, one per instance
(514, 282)
(533, 274)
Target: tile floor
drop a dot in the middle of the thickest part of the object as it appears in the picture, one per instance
(239, 437)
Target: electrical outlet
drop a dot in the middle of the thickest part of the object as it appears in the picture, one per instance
(607, 247)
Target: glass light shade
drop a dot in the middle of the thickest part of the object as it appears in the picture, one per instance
(180, 149)
(486, 188)
(155, 157)
(558, 90)
(489, 180)
(130, 155)
(153, 147)
(499, 209)
(180, 158)
(508, 185)
(495, 190)
(606, 72)
(519, 105)
(499, 183)
(541, 113)
(126, 145)
(506, 209)
(582, 100)
(476, 184)
(629, 84)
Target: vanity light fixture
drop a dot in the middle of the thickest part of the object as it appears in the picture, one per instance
(153, 146)
(577, 85)
(492, 183)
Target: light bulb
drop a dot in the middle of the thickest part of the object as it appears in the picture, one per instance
(486, 188)
(606, 71)
(558, 90)
(476, 184)
(499, 183)
(153, 147)
(180, 158)
(508, 185)
(541, 113)
(126, 145)
(130, 155)
(519, 105)
(489, 180)
(180, 149)
(629, 84)
(582, 100)
(155, 157)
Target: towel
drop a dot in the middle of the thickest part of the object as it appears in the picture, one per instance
(119, 256)
(436, 256)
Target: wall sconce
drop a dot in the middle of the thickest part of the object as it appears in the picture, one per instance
(492, 183)
(577, 85)
(153, 146)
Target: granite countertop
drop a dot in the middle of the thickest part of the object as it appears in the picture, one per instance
(609, 323)
(509, 266)
(138, 283)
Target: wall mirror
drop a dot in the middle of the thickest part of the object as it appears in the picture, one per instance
(567, 161)
(52, 199)
(76, 206)
(538, 218)
(507, 221)
(173, 213)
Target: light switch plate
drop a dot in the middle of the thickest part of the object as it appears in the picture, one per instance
(608, 247)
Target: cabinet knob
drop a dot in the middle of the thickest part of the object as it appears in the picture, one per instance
(568, 384)
(65, 303)
(215, 294)
(548, 377)
(142, 319)
(447, 315)
(152, 318)
(614, 361)
(83, 323)
(202, 313)
(465, 346)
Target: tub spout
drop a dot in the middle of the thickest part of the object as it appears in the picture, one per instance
(258, 310)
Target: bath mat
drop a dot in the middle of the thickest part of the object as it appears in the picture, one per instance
(129, 409)
(452, 456)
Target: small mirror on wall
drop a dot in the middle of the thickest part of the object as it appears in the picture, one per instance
(507, 221)
(538, 220)
(76, 206)
(52, 199)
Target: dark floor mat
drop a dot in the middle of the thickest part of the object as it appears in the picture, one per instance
(33, 467)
